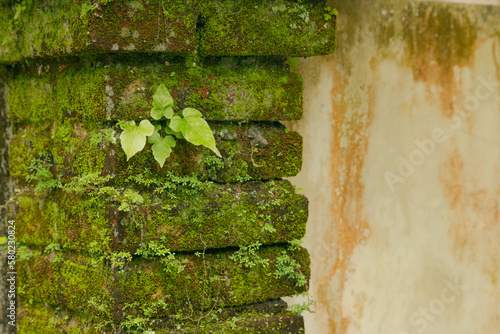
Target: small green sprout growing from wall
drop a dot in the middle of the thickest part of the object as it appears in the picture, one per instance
(189, 126)
(329, 12)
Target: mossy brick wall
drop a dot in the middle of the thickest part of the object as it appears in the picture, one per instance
(203, 244)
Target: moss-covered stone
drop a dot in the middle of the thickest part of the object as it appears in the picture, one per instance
(137, 288)
(57, 27)
(35, 317)
(123, 90)
(256, 151)
(212, 216)
(269, 317)
(253, 27)
(8, 48)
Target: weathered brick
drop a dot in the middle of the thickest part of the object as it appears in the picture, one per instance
(57, 27)
(116, 292)
(180, 218)
(124, 90)
(251, 151)
(269, 317)
(48, 28)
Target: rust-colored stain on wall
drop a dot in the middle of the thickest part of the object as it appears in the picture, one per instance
(438, 39)
(474, 226)
(348, 149)
(435, 48)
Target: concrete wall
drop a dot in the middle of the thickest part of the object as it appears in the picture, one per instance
(401, 132)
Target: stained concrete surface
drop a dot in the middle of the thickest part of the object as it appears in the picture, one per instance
(401, 166)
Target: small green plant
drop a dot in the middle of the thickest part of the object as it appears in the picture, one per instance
(91, 6)
(98, 193)
(280, 6)
(40, 174)
(329, 13)
(298, 309)
(248, 257)
(153, 248)
(189, 126)
(120, 259)
(54, 248)
(24, 253)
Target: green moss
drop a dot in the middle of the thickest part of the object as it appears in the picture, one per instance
(225, 215)
(257, 151)
(121, 26)
(211, 279)
(8, 49)
(269, 317)
(250, 28)
(35, 318)
(124, 91)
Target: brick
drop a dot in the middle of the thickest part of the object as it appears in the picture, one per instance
(48, 28)
(269, 317)
(251, 151)
(109, 292)
(123, 90)
(181, 218)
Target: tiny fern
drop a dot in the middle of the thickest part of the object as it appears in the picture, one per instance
(190, 126)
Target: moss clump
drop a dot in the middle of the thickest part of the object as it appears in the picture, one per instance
(251, 28)
(123, 90)
(225, 215)
(8, 49)
(269, 317)
(36, 317)
(109, 292)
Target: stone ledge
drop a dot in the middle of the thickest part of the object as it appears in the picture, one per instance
(224, 215)
(124, 91)
(54, 28)
(107, 292)
(269, 317)
(256, 151)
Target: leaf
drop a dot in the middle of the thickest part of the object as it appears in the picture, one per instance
(162, 149)
(162, 103)
(3, 240)
(327, 17)
(169, 131)
(335, 12)
(195, 129)
(133, 137)
(155, 137)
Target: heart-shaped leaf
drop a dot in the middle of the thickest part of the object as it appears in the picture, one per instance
(195, 129)
(133, 137)
(162, 103)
